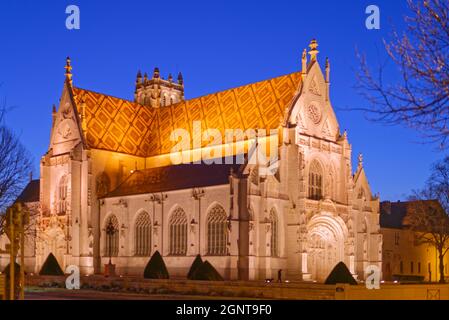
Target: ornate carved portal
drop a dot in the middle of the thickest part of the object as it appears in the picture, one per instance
(322, 254)
(53, 239)
(325, 247)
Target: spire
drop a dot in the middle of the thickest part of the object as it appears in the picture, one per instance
(156, 73)
(313, 50)
(180, 79)
(145, 78)
(360, 160)
(138, 79)
(170, 77)
(68, 71)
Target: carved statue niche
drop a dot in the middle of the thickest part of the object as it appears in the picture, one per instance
(302, 218)
(329, 184)
(351, 227)
(364, 226)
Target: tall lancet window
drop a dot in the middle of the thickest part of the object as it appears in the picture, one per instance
(142, 235)
(217, 234)
(112, 237)
(315, 181)
(61, 205)
(274, 226)
(178, 233)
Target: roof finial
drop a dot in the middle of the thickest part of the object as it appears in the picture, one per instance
(360, 160)
(180, 79)
(68, 70)
(313, 49)
(138, 79)
(304, 61)
(170, 77)
(156, 73)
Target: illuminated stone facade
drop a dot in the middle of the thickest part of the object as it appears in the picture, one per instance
(109, 162)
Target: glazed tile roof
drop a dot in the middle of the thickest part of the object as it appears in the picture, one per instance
(122, 126)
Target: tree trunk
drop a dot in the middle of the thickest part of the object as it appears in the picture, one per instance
(441, 266)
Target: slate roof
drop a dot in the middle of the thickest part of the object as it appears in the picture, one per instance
(392, 214)
(31, 193)
(175, 177)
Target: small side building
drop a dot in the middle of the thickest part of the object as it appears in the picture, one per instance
(30, 198)
(402, 256)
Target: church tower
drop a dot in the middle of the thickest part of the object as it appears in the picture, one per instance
(157, 91)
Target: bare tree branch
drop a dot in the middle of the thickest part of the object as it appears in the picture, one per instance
(420, 99)
(15, 167)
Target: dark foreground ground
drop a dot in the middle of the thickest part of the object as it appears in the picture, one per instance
(63, 294)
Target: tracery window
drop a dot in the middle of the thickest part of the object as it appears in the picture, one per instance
(178, 233)
(274, 225)
(315, 181)
(142, 235)
(112, 237)
(62, 195)
(217, 234)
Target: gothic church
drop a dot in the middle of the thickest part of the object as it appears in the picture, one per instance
(108, 186)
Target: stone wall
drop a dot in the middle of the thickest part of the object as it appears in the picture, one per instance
(394, 292)
(243, 289)
(255, 289)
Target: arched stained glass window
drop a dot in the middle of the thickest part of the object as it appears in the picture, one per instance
(217, 234)
(142, 235)
(178, 233)
(274, 241)
(315, 181)
(62, 195)
(112, 237)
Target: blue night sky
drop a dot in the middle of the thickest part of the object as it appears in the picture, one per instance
(217, 45)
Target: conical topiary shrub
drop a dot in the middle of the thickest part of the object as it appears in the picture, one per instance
(156, 268)
(51, 267)
(16, 269)
(198, 262)
(340, 274)
(206, 272)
